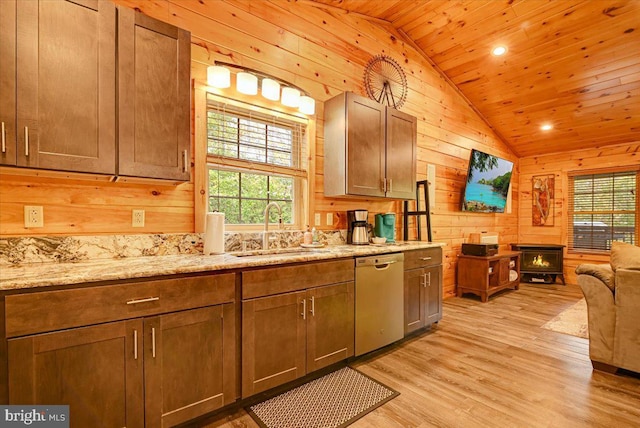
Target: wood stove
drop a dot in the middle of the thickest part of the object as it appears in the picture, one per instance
(540, 262)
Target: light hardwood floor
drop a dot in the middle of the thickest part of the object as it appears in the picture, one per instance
(493, 365)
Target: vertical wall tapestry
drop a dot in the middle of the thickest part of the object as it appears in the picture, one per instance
(542, 200)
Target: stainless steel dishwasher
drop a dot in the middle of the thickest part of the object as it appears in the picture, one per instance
(379, 301)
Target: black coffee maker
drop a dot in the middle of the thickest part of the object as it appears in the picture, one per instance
(357, 227)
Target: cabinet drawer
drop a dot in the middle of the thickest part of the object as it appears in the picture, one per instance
(55, 310)
(422, 258)
(276, 280)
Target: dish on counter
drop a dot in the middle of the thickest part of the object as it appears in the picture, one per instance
(314, 245)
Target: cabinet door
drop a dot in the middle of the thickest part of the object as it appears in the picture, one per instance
(273, 341)
(330, 325)
(66, 85)
(96, 370)
(433, 295)
(414, 314)
(401, 154)
(153, 104)
(365, 129)
(503, 271)
(188, 372)
(8, 82)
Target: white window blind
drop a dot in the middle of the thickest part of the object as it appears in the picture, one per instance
(264, 140)
(603, 207)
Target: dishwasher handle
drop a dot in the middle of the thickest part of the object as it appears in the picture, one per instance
(385, 265)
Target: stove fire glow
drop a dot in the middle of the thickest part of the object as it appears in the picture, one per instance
(540, 262)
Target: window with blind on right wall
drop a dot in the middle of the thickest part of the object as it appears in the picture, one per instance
(603, 207)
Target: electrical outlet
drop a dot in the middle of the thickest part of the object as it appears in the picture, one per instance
(33, 216)
(316, 220)
(329, 219)
(137, 218)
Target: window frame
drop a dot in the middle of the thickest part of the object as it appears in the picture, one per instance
(296, 208)
(303, 185)
(570, 229)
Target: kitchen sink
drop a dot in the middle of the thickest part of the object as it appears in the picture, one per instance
(278, 252)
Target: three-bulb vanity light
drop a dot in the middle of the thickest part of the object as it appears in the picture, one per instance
(247, 83)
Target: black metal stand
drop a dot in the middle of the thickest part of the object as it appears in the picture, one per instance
(418, 213)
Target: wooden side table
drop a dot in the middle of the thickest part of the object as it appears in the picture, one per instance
(486, 275)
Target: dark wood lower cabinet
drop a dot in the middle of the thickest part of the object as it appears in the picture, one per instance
(289, 335)
(91, 369)
(422, 289)
(330, 325)
(188, 372)
(273, 337)
(156, 371)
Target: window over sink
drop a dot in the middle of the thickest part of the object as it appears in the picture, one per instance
(255, 156)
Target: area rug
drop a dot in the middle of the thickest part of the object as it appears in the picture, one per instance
(334, 400)
(572, 320)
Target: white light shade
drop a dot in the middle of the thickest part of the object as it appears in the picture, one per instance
(290, 97)
(218, 76)
(270, 89)
(247, 83)
(307, 105)
(499, 50)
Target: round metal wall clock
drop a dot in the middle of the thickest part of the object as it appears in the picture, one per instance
(385, 81)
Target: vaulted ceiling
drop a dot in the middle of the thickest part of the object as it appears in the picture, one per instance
(572, 64)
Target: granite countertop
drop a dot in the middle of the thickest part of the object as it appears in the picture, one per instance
(50, 274)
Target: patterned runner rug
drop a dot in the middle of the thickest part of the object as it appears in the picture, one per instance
(572, 320)
(334, 400)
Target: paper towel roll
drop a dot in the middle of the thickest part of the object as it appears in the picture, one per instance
(214, 234)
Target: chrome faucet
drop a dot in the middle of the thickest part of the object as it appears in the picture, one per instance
(265, 236)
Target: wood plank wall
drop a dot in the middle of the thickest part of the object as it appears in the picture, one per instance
(560, 164)
(322, 51)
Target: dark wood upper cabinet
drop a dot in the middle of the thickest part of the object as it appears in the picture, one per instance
(154, 95)
(370, 149)
(64, 67)
(65, 85)
(401, 154)
(8, 82)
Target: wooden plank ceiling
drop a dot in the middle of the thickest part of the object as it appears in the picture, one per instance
(572, 64)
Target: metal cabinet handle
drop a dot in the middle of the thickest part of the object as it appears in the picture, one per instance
(304, 309)
(153, 342)
(384, 185)
(4, 139)
(313, 306)
(185, 160)
(26, 141)
(148, 299)
(424, 280)
(428, 278)
(135, 344)
(425, 258)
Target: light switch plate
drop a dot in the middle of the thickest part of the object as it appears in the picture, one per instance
(329, 219)
(317, 220)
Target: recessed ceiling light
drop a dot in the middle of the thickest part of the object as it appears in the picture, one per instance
(499, 50)
(546, 127)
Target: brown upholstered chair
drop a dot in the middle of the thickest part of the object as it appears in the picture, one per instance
(612, 292)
